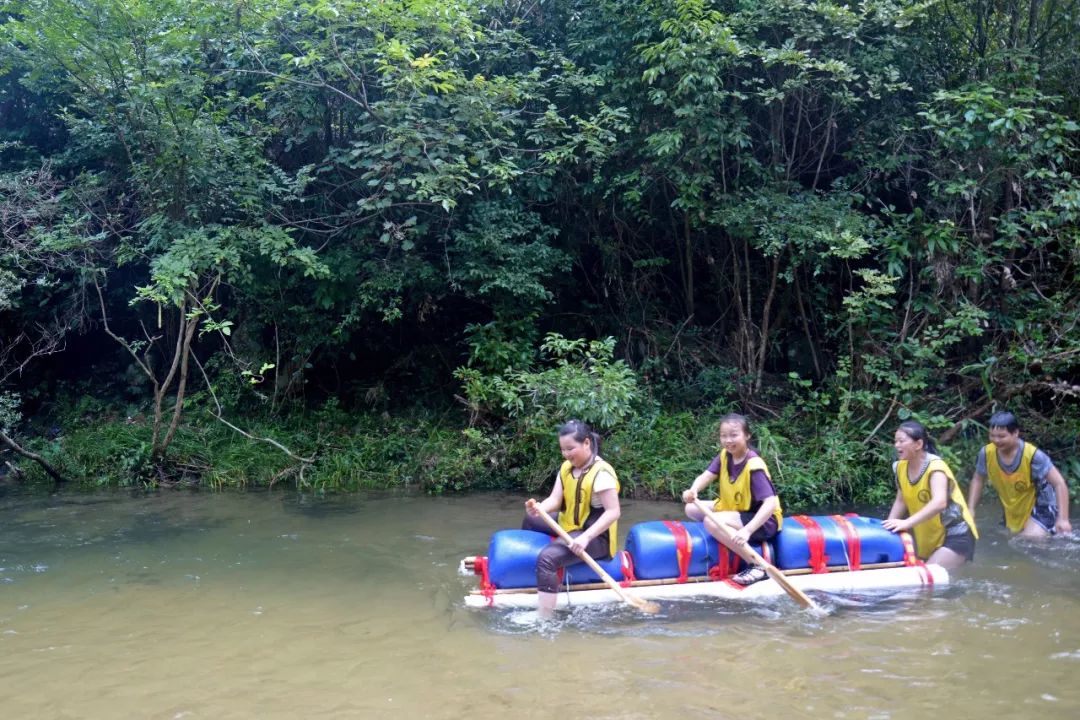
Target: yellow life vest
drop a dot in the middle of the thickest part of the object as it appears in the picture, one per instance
(735, 493)
(930, 534)
(1016, 489)
(577, 498)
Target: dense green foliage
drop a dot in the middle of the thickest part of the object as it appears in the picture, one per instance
(353, 243)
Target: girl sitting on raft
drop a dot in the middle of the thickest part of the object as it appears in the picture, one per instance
(748, 503)
(586, 500)
(929, 502)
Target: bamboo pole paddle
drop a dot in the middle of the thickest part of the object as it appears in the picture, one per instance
(751, 555)
(640, 603)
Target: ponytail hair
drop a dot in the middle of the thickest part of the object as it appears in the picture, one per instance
(917, 431)
(581, 431)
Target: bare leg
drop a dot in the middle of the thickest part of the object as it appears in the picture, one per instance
(545, 605)
(551, 559)
(1033, 530)
(731, 520)
(694, 512)
(947, 558)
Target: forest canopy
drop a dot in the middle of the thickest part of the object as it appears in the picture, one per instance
(367, 243)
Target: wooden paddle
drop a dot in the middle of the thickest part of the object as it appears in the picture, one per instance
(640, 603)
(751, 555)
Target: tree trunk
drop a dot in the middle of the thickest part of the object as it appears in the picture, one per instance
(688, 265)
(766, 315)
(181, 389)
(49, 469)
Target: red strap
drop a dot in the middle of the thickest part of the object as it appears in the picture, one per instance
(854, 547)
(731, 564)
(723, 570)
(682, 547)
(815, 540)
(627, 564)
(910, 558)
(480, 567)
(724, 566)
(913, 560)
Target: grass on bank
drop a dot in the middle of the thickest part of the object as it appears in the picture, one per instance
(656, 457)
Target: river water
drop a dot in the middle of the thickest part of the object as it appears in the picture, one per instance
(279, 605)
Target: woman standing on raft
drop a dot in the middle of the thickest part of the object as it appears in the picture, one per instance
(586, 498)
(748, 503)
(928, 495)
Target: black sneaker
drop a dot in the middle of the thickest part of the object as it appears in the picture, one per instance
(750, 575)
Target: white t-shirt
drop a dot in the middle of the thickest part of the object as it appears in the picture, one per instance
(603, 481)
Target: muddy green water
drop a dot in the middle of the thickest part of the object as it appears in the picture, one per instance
(276, 605)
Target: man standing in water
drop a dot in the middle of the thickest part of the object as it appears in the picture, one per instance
(1033, 493)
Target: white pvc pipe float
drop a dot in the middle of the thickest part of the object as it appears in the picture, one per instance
(917, 576)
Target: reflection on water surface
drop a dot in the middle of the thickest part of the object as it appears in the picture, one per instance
(276, 605)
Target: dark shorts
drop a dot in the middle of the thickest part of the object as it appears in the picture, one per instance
(558, 555)
(1045, 512)
(766, 532)
(962, 544)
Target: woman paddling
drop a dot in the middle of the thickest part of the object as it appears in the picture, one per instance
(929, 502)
(748, 503)
(586, 500)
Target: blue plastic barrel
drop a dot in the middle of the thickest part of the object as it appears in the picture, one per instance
(654, 549)
(512, 560)
(876, 544)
